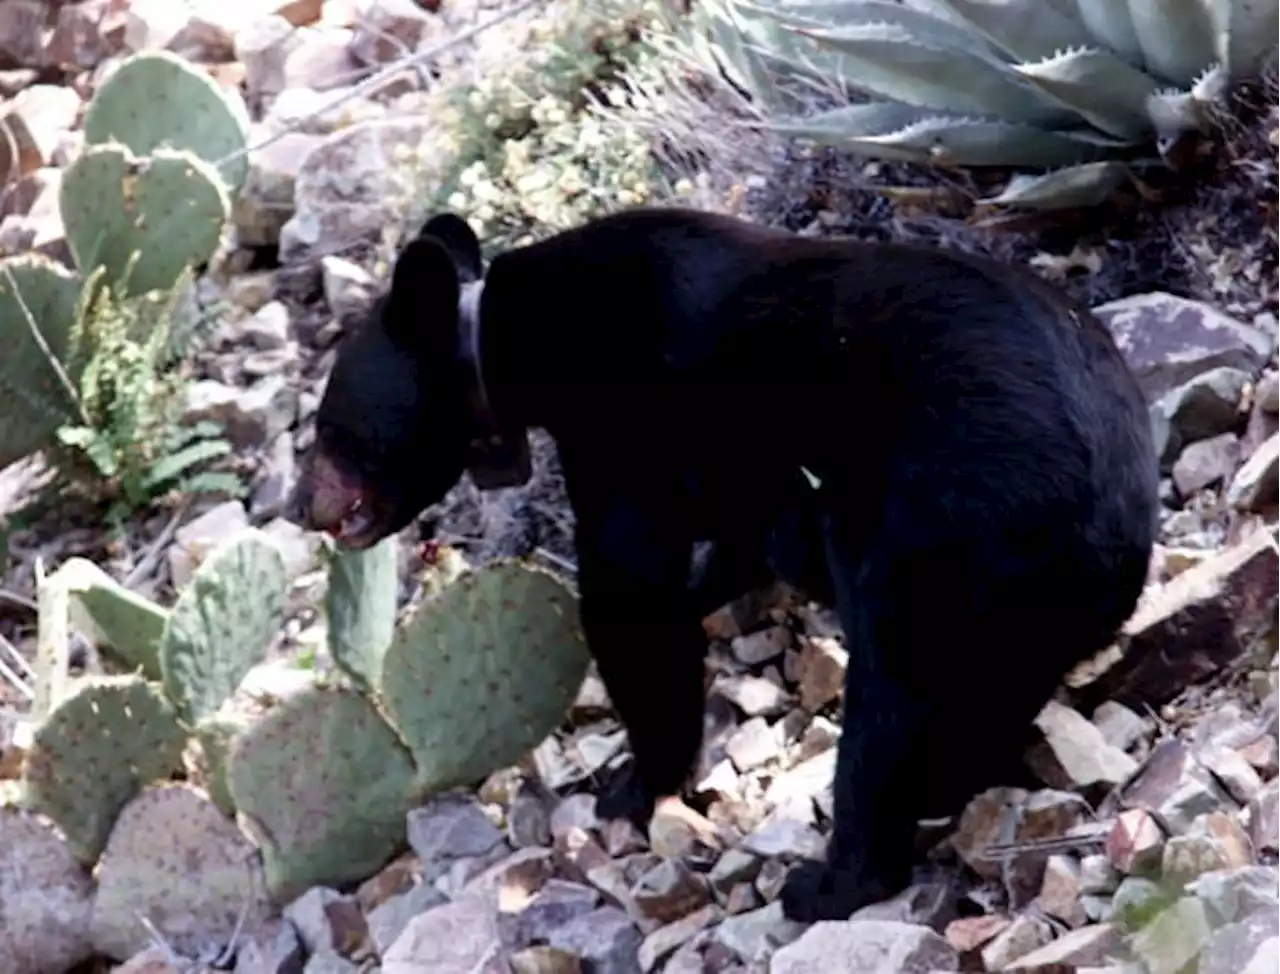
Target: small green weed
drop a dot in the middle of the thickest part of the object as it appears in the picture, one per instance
(131, 444)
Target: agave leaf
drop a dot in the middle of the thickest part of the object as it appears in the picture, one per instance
(837, 14)
(753, 49)
(1177, 37)
(1244, 33)
(1175, 113)
(1023, 29)
(974, 142)
(715, 41)
(852, 121)
(1109, 22)
(890, 62)
(1089, 184)
(1212, 86)
(1104, 90)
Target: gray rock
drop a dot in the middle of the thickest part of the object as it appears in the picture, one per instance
(457, 938)
(605, 937)
(1168, 340)
(194, 540)
(352, 185)
(450, 828)
(388, 920)
(866, 947)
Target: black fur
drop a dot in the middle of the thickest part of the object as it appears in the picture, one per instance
(987, 500)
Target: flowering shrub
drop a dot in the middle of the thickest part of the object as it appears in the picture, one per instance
(528, 151)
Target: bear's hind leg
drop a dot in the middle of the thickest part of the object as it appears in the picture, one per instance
(871, 851)
(946, 671)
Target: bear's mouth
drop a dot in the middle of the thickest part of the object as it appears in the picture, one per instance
(358, 523)
(338, 503)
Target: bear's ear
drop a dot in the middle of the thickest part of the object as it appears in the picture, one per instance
(421, 309)
(457, 237)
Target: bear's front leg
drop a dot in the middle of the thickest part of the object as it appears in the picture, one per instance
(647, 640)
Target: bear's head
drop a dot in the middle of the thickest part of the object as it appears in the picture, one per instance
(404, 412)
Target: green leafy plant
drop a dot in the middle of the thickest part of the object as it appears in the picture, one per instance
(130, 440)
(1087, 93)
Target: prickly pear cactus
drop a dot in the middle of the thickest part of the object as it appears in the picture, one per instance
(484, 671)
(217, 735)
(167, 208)
(176, 860)
(361, 605)
(46, 919)
(52, 667)
(36, 402)
(96, 750)
(222, 623)
(325, 784)
(157, 100)
(112, 616)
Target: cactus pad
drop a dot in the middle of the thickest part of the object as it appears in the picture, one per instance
(99, 746)
(176, 860)
(361, 605)
(217, 735)
(168, 208)
(325, 784)
(35, 401)
(46, 898)
(127, 623)
(223, 622)
(484, 671)
(157, 100)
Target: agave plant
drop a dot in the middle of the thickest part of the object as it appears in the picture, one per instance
(1084, 91)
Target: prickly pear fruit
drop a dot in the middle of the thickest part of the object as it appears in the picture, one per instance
(325, 784)
(115, 618)
(445, 566)
(98, 747)
(157, 100)
(175, 859)
(167, 208)
(361, 605)
(36, 402)
(223, 622)
(484, 671)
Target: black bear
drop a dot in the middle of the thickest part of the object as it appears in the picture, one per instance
(950, 452)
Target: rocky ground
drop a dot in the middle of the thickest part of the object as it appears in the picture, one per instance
(1145, 838)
